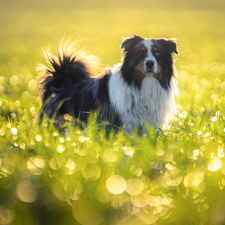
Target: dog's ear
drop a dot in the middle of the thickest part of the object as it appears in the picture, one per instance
(172, 46)
(169, 44)
(130, 42)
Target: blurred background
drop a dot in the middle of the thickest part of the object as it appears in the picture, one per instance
(28, 26)
(43, 174)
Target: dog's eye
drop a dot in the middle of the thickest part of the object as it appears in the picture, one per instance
(157, 53)
(141, 51)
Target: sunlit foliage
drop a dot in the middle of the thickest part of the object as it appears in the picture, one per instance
(87, 176)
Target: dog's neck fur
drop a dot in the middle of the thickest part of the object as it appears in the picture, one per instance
(149, 103)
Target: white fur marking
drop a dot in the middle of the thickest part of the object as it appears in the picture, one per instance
(149, 103)
(150, 57)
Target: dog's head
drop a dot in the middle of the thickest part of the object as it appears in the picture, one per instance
(148, 57)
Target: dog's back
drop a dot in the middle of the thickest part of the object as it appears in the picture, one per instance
(69, 85)
(139, 89)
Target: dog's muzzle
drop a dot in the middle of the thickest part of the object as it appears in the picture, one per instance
(150, 66)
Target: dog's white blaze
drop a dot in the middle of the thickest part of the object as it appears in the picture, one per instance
(150, 57)
(135, 106)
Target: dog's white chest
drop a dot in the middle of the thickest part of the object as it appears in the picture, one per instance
(150, 103)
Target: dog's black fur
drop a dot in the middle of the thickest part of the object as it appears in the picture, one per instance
(68, 86)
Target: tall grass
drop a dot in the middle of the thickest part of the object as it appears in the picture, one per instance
(176, 176)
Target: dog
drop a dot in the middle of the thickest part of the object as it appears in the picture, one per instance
(140, 88)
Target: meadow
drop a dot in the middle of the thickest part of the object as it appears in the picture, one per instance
(83, 176)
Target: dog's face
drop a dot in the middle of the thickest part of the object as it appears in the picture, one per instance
(148, 57)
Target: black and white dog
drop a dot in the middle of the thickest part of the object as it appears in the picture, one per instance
(141, 88)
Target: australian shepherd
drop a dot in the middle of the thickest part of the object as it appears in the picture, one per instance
(140, 88)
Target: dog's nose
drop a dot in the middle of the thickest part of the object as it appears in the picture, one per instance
(150, 64)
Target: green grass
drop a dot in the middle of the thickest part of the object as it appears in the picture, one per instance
(84, 177)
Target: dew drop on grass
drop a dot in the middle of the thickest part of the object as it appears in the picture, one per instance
(207, 134)
(38, 138)
(55, 134)
(68, 139)
(61, 139)
(32, 109)
(196, 153)
(83, 139)
(22, 145)
(161, 152)
(16, 144)
(2, 132)
(14, 131)
(220, 152)
(170, 165)
(61, 148)
(214, 164)
(217, 113)
(70, 166)
(67, 117)
(128, 150)
(181, 116)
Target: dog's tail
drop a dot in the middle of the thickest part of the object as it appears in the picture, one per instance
(70, 67)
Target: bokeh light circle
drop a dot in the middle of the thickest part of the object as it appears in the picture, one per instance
(91, 171)
(116, 184)
(134, 186)
(26, 191)
(36, 165)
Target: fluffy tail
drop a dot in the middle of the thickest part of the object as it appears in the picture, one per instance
(70, 67)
